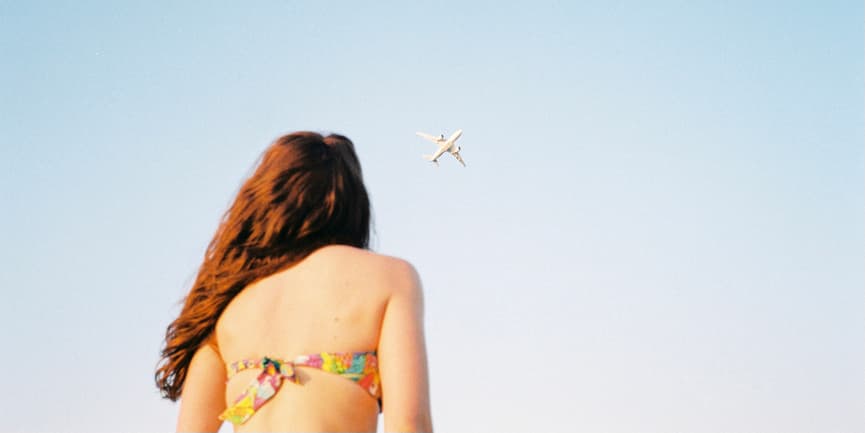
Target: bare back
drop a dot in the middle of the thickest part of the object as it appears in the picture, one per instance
(334, 300)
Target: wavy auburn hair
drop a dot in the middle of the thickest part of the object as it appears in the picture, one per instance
(306, 192)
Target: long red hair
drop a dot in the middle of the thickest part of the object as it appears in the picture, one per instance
(306, 192)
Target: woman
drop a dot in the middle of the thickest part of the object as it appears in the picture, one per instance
(292, 324)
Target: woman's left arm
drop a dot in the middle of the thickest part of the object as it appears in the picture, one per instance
(203, 395)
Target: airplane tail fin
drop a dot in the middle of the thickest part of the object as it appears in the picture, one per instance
(430, 158)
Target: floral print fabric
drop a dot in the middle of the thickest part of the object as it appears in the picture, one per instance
(361, 367)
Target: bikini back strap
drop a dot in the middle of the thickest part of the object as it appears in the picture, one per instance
(260, 389)
(359, 367)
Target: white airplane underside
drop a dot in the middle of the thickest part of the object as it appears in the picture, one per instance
(445, 145)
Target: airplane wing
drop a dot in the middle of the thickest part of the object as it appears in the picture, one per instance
(459, 158)
(428, 137)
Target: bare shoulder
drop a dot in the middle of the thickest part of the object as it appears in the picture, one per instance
(400, 278)
(397, 273)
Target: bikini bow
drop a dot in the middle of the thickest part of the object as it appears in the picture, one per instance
(260, 390)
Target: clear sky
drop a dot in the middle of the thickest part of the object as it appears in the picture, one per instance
(660, 227)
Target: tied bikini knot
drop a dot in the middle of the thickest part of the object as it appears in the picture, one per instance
(260, 390)
(278, 370)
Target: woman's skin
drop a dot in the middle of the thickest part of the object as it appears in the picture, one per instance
(338, 299)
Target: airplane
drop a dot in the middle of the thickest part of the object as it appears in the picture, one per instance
(445, 145)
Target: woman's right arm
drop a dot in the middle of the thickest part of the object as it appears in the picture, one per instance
(402, 356)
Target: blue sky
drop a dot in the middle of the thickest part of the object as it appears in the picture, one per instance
(660, 227)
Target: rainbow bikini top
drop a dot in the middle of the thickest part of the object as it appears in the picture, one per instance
(361, 367)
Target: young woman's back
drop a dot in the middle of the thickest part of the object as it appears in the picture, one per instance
(291, 323)
(335, 300)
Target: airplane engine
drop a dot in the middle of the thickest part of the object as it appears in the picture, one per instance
(459, 149)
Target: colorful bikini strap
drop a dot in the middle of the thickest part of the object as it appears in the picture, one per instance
(259, 390)
(360, 367)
